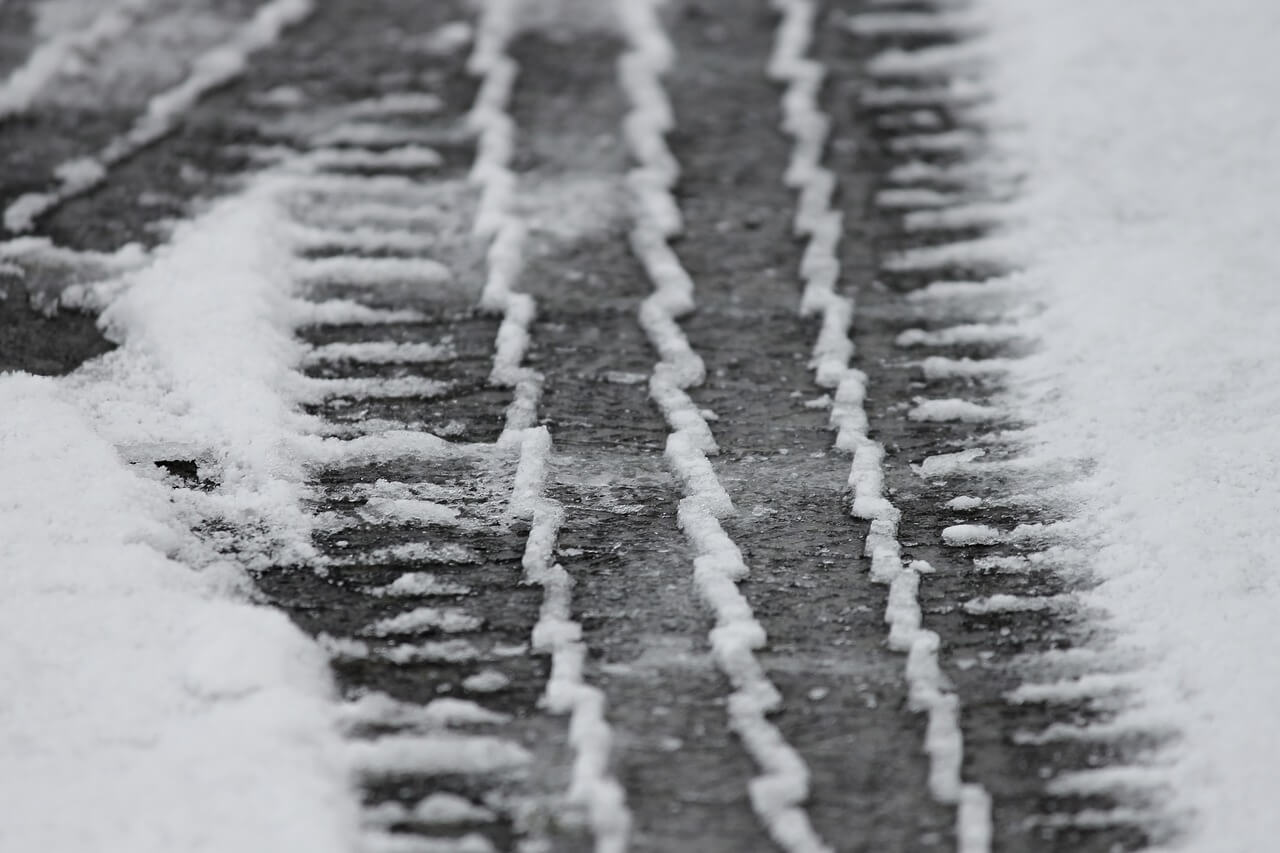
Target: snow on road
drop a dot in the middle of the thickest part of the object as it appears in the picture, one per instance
(1150, 135)
(144, 705)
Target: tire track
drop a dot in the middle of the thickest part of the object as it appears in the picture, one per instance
(1044, 687)
(782, 786)
(422, 541)
(593, 788)
(817, 220)
(684, 772)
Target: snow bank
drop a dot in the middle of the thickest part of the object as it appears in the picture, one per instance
(205, 368)
(1151, 137)
(141, 708)
(144, 706)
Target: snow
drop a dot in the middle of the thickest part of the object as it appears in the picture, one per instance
(345, 312)
(422, 584)
(399, 104)
(408, 157)
(372, 272)
(440, 809)
(404, 510)
(396, 842)
(1015, 604)
(447, 620)
(382, 352)
(437, 753)
(941, 367)
(485, 681)
(131, 658)
(366, 239)
(1149, 139)
(967, 334)
(1089, 686)
(953, 410)
(145, 707)
(221, 286)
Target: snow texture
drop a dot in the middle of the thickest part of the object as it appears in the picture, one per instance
(1148, 220)
(146, 708)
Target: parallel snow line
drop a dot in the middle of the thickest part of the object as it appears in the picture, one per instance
(405, 157)
(934, 24)
(805, 122)
(25, 83)
(380, 352)
(371, 134)
(592, 785)
(777, 794)
(365, 271)
(164, 111)
(363, 239)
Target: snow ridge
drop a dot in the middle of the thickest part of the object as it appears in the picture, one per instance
(592, 786)
(777, 794)
(164, 111)
(820, 269)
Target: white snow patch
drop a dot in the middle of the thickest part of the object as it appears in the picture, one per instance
(422, 584)
(1150, 141)
(485, 681)
(971, 534)
(951, 410)
(449, 620)
(436, 754)
(124, 670)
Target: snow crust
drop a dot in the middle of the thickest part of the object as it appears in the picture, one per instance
(1150, 139)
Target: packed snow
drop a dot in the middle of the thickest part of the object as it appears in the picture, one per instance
(1150, 137)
